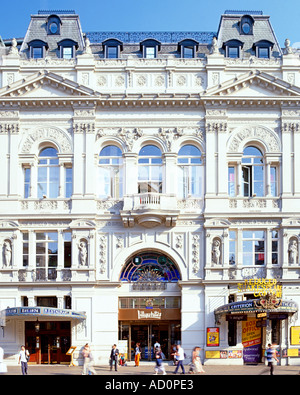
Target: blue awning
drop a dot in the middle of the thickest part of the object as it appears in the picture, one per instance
(42, 312)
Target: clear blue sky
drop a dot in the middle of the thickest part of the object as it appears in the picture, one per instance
(151, 15)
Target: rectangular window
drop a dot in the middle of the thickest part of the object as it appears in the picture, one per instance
(233, 52)
(188, 52)
(37, 52)
(275, 242)
(263, 52)
(46, 255)
(273, 181)
(232, 247)
(231, 181)
(67, 249)
(25, 250)
(67, 52)
(27, 176)
(69, 182)
(253, 248)
(150, 52)
(112, 52)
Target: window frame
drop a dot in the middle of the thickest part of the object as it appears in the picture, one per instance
(250, 169)
(189, 164)
(263, 44)
(148, 161)
(37, 44)
(66, 44)
(233, 44)
(253, 240)
(190, 44)
(48, 165)
(109, 43)
(113, 163)
(150, 43)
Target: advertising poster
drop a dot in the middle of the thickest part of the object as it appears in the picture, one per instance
(212, 337)
(295, 335)
(251, 339)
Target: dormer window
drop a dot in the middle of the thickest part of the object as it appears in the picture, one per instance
(53, 25)
(188, 48)
(112, 48)
(263, 49)
(37, 49)
(246, 25)
(67, 49)
(233, 48)
(150, 48)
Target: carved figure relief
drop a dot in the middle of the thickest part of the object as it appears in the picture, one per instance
(7, 253)
(83, 253)
(293, 251)
(216, 251)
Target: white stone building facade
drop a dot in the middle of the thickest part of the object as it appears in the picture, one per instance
(144, 175)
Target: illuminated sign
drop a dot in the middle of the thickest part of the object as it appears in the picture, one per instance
(261, 287)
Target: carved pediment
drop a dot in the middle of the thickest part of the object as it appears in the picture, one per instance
(254, 84)
(46, 84)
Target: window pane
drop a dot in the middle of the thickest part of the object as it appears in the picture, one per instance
(263, 53)
(188, 52)
(231, 181)
(37, 52)
(233, 52)
(150, 52)
(112, 52)
(67, 52)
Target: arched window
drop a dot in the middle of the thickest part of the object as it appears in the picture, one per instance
(110, 169)
(48, 174)
(253, 172)
(190, 177)
(149, 268)
(150, 170)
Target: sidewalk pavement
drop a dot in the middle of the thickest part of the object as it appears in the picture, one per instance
(65, 370)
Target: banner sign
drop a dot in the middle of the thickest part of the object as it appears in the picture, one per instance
(251, 339)
(42, 312)
(261, 287)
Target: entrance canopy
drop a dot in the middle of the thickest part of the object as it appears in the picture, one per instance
(41, 312)
(271, 305)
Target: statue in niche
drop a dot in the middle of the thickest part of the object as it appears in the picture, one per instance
(216, 252)
(83, 253)
(7, 252)
(293, 251)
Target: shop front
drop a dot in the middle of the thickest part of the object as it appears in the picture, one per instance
(253, 324)
(148, 325)
(47, 331)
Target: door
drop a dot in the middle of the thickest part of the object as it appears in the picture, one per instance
(140, 334)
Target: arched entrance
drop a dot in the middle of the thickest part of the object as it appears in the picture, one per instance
(151, 313)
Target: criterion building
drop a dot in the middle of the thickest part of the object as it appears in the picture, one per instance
(150, 191)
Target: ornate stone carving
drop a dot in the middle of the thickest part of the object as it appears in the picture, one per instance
(293, 251)
(195, 253)
(269, 138)
(48, 133)
(169, 136)
(130, 136)
(103, 248)
(7, 253)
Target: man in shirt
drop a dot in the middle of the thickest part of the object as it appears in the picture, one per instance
(114, 357)
(271, 357)
(23, 358)
(179, 355)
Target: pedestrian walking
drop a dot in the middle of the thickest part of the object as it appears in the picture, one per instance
(179, 355)
(86, 359)
(91, 369)
(114, 354)
(3, 368)
(159, 361)
(23, 359)
(196, 365)
(271, 357)
(137, 355)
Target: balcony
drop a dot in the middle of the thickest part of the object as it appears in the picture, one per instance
(150, 210)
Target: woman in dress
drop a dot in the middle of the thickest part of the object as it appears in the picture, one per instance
(197, 361)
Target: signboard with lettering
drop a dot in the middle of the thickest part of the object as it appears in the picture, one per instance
(251, 339)
(261, 287)
(154, 314)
